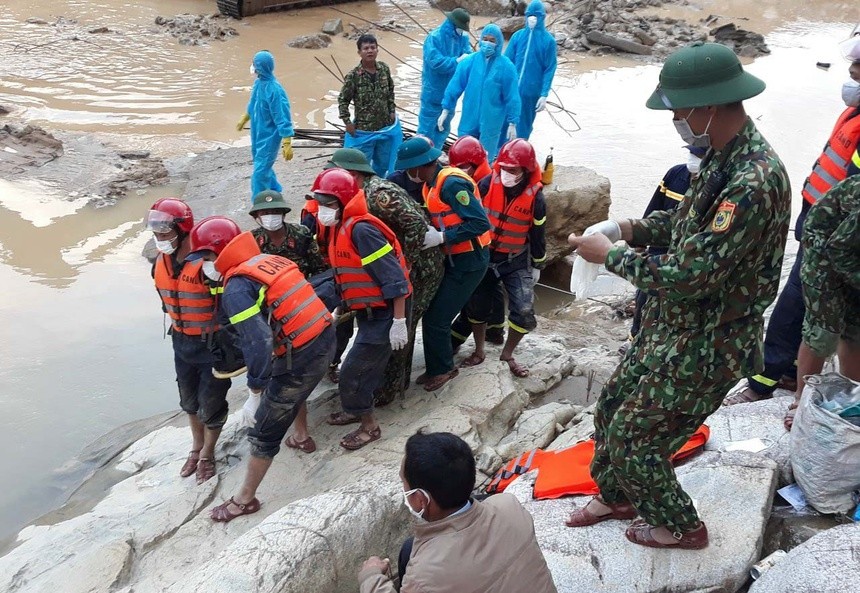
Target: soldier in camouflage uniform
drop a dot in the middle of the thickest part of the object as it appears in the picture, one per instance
(702, 325)
(830, 276)
(393, 206)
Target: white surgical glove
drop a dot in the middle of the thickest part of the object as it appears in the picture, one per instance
(608, 228)
(334, 315)
(398, 335)
(541, 105)
(249, 409)
(535, 275)
(440, 123)
(462, 57)
(432, 238)
(512, 132)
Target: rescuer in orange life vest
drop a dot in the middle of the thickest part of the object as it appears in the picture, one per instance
(286, 336)
(373, 280)
(189, 299)
(513, 198)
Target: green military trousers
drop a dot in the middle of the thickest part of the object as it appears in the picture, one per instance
(642, 418)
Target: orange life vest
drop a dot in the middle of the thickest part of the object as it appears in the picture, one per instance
(444, 218)
(358, 289)
(187, 299)
(296, 314)
(323, 233)
(832, 166)
(511, 220)
(482, 171)
(568, 471)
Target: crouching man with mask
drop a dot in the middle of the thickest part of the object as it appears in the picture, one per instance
(461, 545)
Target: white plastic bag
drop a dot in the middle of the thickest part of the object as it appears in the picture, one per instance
(825, 449)
(582, 277)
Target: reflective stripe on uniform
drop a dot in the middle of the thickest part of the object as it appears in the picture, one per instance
(538, 222)
(517, 328)
(764, 380)
(834, 156)
(376, 254)
(855, 158)
(216, 290)
(811, 190)
(827, 177)
(539, 260)
(669, 193)
(250, 311)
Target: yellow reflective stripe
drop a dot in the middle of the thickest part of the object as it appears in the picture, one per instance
(250, 311)
(376, 254)
(855, 158)
(495, 325)
(537, 222)
(764, 380)
(460, 337)
(216, 290)
(670, 194)
(538, 260)
(517, 328)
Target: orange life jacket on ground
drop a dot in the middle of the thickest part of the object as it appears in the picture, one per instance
(568, 471)
(444, 218)
(511, 221)
(296, 314)
(323, 234)
(187, 299)
(832, 166)
(358, 290)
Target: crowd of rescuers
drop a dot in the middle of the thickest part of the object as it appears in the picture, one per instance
(373, 257)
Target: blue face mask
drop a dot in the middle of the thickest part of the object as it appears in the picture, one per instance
(488, 49)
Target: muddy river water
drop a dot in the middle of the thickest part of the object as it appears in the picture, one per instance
(82, 350)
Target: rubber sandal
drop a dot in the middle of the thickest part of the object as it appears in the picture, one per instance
(744, 396)
(333, 373)
(205, 470)
(583, 517)
(190, 465)
(342, 419)
(422, 379)
(308, 445)
(222, 514)
(788, 420)
(692, 540)
(472, 360)
(354, 441)
(434, 383)
(517, 369)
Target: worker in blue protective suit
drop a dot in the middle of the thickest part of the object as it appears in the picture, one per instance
(444, 48)
(271, 123)
(491, 103)
(533, 52)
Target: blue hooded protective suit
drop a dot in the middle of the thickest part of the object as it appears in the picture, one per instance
(533, 52)
(491, 99)
(442, 47)
(271, 121)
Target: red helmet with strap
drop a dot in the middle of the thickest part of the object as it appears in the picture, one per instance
(168, 213)
(213, 234)
(467, 150)
(336, 182)
(518, 153)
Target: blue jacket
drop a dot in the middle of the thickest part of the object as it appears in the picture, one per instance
(442, 47)
(533, 52)
(269, 109)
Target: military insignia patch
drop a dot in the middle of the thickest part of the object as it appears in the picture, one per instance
(463, 197)
(723, 218)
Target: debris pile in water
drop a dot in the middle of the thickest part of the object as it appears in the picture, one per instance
(197, 29)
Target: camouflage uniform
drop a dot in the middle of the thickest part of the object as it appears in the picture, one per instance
(298, 246)
(830, 272)
(391, 204)
(701, 328)
(372, 95)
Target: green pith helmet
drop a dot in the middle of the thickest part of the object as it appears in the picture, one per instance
(268, 199)
(416, 152)
(700, 75)
(351, 159)
(460, 18)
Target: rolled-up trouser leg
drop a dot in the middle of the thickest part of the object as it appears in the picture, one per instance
(344, 333)
(519, 287)
(360, 376)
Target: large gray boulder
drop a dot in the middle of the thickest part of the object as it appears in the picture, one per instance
(475, 7)
(733, 493)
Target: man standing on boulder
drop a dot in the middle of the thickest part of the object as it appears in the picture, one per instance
(702, 329)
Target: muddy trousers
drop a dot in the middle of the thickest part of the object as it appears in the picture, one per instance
(639, 424)
(360, 373)
(461, 329)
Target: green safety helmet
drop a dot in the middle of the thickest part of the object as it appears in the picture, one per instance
(268, 199)
(700, 75)
(351, 159)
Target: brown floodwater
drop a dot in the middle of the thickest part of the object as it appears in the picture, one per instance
(82, 349)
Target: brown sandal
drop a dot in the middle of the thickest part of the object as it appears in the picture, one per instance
(434, 383)
(222, 514)
(355, 440)
(205, 470)
(583, 517)
(788, 420)
(640, 533)
(422, 379)
(517, 369)
(308, 445)
(342, 419)
(190, 465)
(473, 360)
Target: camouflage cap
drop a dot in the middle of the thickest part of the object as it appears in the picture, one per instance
(351, 159)
(268, 199)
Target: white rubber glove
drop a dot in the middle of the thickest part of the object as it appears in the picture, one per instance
(440, 123)
(541, 105)
(334, 315)
(398, 335)
(512, 132)
(249, 409)
(462, 57)
(535, 275)
(432, 238)
(608, 228)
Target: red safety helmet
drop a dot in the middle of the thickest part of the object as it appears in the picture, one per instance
(167, 213)
(213, 233)
(336, 182)
(467, 150)
(518, 153)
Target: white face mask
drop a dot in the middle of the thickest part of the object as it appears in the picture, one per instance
(509, 179)
(414, 179)
(417, 514)
(531, 21)
(327, 216)
(851, 93)
(252, 70)
(166, 247)
(271, 222)
(210, 272)
(682, 126)
(694, 163)
(462, 32)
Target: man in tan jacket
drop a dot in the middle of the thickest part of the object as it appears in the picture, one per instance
(460, 545)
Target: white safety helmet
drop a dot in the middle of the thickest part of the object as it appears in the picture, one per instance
(850, 48)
